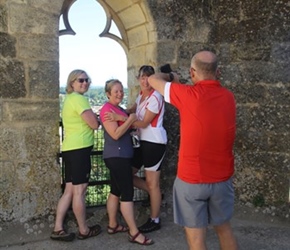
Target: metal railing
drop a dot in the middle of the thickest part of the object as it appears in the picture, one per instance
(99, 183)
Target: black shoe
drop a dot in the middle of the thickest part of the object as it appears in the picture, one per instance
(149, 226)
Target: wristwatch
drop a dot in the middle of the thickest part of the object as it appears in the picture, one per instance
(171, 76)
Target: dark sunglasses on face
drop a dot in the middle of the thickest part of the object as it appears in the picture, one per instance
(81, 80)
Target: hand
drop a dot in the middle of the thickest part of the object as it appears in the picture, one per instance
(133, 117)
(110, 116)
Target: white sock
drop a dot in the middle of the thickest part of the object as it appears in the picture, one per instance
(156, 220)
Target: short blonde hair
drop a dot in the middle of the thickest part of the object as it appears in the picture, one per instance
(110, 83)
(72, 77)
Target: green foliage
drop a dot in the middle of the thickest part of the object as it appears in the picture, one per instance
(99, 140)
(97, 195)
(96, 96)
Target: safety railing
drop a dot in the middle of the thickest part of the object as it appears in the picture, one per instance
(99, 183)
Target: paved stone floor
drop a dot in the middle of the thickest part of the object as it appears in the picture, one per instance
(253, 232)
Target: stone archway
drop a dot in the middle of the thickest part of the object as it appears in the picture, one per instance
(29, 104)
(136, 27)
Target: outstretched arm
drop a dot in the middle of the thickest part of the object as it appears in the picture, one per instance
(158, 81)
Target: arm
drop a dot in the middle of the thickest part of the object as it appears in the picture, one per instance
(111, 116)
(149, 116)
(90, 118)
(158, 81)
(116, 131)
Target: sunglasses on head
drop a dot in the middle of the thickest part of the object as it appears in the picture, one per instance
(81, 80)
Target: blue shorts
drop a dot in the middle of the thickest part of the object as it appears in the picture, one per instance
(200, 205)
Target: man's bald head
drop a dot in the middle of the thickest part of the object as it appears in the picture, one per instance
(205, 63)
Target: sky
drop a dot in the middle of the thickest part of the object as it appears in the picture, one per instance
(102, 58)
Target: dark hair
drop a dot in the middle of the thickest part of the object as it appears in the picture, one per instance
(146, 70)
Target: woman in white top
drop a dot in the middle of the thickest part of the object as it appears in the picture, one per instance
(149, 108)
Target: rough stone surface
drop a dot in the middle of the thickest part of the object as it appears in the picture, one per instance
(12, 81)
(253, 228)
(251, 39)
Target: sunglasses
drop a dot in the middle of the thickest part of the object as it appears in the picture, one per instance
(81, 80)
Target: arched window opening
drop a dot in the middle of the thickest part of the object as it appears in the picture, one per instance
(102, 58)
(81, 47)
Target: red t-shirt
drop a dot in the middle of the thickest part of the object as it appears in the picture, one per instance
(207, 130)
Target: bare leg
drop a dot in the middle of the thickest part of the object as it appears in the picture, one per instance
(152, 180)
(127, 209)
(195, 238)
(139, 182)
(62, 207)
(112, 208)
(79, 207)
(226, 237)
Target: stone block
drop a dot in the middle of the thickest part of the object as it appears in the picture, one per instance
(31, 111)
(3, 18)
(138, 36)
(119, 5)
(279, 94)
(280, 52)
(256, 175)
(132, 16)
(12, 79)
(12, 146)
(7, 176)
(7, 45)
(251, 52)
(44, 79)
(31, 21)
(37, 138)
(231, 74)
(250, 94)
(166, 51)
(47, 6)
(38, 47)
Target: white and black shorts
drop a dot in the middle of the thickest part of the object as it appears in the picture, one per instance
(150, 155)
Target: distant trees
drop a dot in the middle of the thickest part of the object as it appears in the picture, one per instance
(96, 96)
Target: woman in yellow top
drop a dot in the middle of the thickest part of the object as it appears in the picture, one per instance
(79, 123)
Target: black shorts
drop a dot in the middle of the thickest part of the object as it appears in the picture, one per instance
(121, 177)
(77, 165)
(150, 155)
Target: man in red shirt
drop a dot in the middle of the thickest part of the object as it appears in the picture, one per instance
(203, 193)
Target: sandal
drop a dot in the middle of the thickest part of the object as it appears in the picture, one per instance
(93, 231)
(62, 235)
(146, 241)
(117, 229)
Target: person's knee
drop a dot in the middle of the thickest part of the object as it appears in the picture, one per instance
(224, 228)
(153, 184)
(152, 180)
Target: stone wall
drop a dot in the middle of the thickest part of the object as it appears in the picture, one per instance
(250, 37)
(252, 41)
(29, 108)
